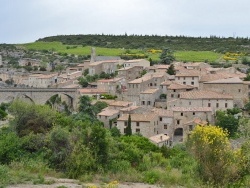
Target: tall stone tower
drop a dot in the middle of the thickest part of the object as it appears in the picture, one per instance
(93, 55)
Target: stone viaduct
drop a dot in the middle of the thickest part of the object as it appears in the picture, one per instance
(40, 95)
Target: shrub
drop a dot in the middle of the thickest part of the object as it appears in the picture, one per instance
(211, 148)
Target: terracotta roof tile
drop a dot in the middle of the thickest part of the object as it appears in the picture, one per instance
(159, 138)
(180, 86)
(204, 95)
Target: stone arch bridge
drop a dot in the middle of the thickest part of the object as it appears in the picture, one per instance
(40, 95)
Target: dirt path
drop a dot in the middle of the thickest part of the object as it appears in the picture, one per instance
(69, 183)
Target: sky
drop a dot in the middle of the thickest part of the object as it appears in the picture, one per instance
(23, 21)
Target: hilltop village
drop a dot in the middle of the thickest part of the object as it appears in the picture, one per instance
(163, 107)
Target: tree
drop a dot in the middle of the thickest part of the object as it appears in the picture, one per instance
(228, 120)
(31, 118)
(167, 56)
(128, 128)
(83, 82)
(171, 70)
(211, 148)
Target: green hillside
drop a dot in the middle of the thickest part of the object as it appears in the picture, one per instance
(193, 56)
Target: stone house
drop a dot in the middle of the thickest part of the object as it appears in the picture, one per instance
(42, 80)
(111, 86)
(91, 92)
(148, 81)
(69, 76)
(137, 62)
(188, 78)
(108, 116)
(144, 124)
(174, 90)
(165, 121)
(205, 98)
(109, 66)
(130, 73)
(233, 86)
(117, 105)
(161, 140)
(148, 97)
(185, 118)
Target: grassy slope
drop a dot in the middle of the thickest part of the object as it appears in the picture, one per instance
(193, 56)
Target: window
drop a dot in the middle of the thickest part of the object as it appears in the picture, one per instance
(155, 84)
(178, 78)
(192, 78)
(184, 78)
(225, 105)
(193, 113)
(106, 117)
(181, 113)
(137, 124)
(184, 83)
(137, 130)
(124, 130)
(190, 127)
(143, 102)
(151, 84)
(239, 90)
(178, 122)
(148, 102)
(125, 123)
(190, 103)
(192, 83)
(165, 126)
(160, 118)
(178, 95)
(209, 104)
(217, 105)
(172, 95)
(174, 90)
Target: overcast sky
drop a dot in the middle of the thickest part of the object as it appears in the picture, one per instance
(25, 21)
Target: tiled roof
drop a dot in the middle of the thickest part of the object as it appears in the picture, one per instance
(166, 83)
(188, 73)
(159, 138)
(192, 109)
(149, 91)
(180, 86)
(140, 80)
(163, 112)
(234, 80)
(138, 117)
(108, 112)
(121, 103)
(203, 95)
(128, 109)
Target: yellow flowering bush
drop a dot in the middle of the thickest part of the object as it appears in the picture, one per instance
(211, 148)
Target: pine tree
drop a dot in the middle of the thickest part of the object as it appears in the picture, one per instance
(129, 129)
(171, 70)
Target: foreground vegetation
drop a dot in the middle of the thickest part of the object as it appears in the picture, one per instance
(41, 142)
